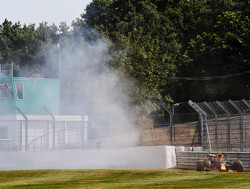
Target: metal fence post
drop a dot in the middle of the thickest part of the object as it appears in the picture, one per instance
(205, 123)
(26, 128)
(199, 110)
(84, 130)
(82, 133)
(140, 122)
(170, 120)
(241, 123)
(228, 125)
(201, 121)
(216, 123)
(246, 103)
(21, 136)
(53, 126)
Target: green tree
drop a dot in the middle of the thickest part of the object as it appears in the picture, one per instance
(222, 51)
(145, 45)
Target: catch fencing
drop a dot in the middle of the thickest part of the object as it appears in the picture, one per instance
(40, 134)
(226, 125)
(22, 132)
(216, 126)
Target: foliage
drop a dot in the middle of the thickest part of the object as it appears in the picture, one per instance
(224, 49)
(153, 41)
(156, 40)
(25, 46)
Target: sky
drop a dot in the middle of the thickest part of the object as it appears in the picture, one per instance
(37, 11)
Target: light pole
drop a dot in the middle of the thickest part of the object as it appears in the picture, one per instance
(58, 33)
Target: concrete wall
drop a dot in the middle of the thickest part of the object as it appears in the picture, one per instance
(123, 158)
(187, 160)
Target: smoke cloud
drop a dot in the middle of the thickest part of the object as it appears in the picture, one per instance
(89, 86)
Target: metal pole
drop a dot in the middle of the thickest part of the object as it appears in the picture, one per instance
(199, 110)
(53, 126)
(140, 121)
(241, 123)
(201, 121)
(140, 125)
(26, 128)
(21, 135)
(246, 103)
(201, 128)
(228, 125)
(206, 126)
(11, 70)
(82, 132)
(216, 123)
(85, 129)
(170, 120)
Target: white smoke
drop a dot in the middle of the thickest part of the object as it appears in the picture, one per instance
(91, 87)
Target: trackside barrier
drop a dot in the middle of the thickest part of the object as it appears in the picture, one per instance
(142, 157)
(187, 160)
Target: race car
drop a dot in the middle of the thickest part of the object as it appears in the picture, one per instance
(217, 163)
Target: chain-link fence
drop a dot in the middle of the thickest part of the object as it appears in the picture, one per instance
(39, 135)
(67, 134)
(44, 132)
(226, 125)
(169, 125)
(219, 126)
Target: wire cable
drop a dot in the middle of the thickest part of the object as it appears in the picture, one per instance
(211, 78)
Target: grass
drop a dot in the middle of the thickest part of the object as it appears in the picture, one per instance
(170, 178)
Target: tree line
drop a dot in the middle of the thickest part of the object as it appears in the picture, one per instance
(175, 50)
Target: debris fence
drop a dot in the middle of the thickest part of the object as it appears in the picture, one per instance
(216, 126)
